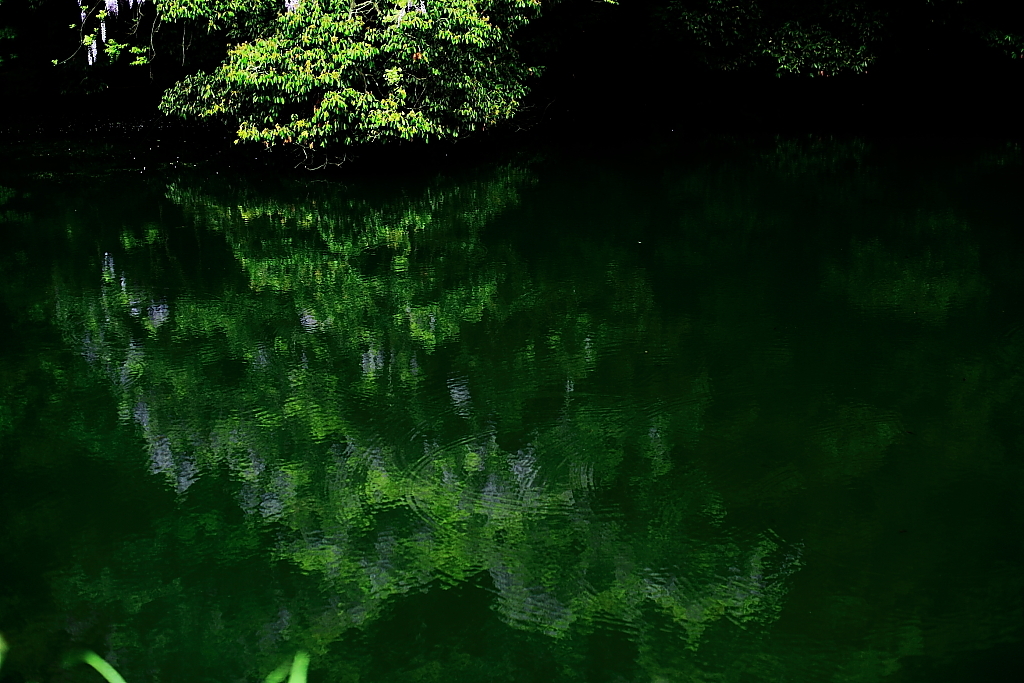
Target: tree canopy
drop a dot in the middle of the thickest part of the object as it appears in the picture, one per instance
(335, 71)
(321, 74)
(318, 73)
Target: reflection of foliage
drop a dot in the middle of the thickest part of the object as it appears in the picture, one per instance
(883, 392)
(19, 289)
(330, 287)
(814, 156)
(6, 215)
(1009, 155)
(596, 448)
(854, 440)
(349, 313)
(924, 287)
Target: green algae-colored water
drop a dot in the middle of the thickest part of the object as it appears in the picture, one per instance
(724, 412)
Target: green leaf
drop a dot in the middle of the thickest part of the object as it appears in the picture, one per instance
(95, 661)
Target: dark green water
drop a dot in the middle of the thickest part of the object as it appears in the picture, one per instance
(735, 412)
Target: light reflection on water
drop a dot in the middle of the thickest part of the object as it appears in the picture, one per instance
(728, 434)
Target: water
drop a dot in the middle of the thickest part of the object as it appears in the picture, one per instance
(724, 412)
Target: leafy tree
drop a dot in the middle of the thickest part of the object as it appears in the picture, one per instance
(819, 38)
(330, 71)
(320, 72)
(830, 37)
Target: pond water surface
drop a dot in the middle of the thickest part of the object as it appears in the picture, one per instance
(734, 412)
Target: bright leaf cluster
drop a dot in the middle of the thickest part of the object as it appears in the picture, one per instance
(326, 72)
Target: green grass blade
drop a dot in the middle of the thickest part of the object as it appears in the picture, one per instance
(296, 671)
(278, 674)
(299, 666)
(100, 664)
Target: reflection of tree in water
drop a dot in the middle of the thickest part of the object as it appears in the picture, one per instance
(553, 560)
(924, 287)
(301, 385)
(813, 158)
(385, 460)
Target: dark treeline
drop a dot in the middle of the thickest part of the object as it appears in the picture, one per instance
(941, 67)
(932, 72)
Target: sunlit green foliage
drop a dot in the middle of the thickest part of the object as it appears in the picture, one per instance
(335, 71)
(1010, 44)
